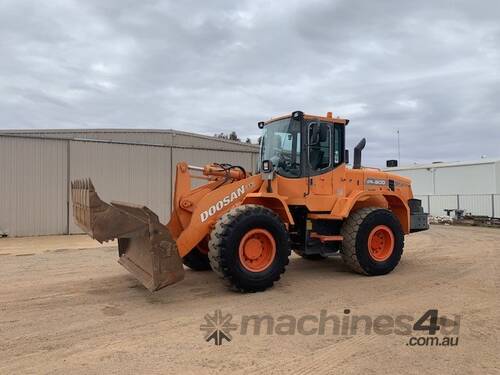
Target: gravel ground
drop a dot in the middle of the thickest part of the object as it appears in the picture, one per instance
(66, 306)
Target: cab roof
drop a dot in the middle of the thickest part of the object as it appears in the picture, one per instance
(328, 118)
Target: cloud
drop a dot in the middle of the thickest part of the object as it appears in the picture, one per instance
(429, 69)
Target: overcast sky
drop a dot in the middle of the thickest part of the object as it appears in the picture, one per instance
(428, 68)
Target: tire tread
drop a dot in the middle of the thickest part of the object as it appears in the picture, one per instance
(219, 239)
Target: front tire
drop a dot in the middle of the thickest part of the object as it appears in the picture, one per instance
(373, 241)
(249, 248)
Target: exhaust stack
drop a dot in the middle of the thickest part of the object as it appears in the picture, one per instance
(357, 154)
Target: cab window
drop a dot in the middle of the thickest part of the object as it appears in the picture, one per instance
(281, 145)
(319, 146)
(338, 146)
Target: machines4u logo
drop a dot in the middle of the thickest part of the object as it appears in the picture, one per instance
(429, 329)
(218, 327)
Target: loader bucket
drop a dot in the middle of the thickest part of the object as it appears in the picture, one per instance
(145, 247)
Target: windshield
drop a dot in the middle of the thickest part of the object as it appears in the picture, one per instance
(281, 144)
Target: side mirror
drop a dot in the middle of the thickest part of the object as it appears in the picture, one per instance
(346, 156)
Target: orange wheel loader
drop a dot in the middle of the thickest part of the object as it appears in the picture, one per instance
(244, 226)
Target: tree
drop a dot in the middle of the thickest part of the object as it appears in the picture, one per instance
(231, 136)
(221, 135)
(248, 140)
(234, 137)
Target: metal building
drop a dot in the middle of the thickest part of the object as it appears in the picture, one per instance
(471, 186)
(138, 166)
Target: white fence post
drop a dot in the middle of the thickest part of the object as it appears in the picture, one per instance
(492, 205)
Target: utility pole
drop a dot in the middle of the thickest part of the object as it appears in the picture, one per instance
(399, 151)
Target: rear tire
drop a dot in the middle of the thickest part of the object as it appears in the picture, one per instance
(197, 260)
(249, 248)
(373, 241)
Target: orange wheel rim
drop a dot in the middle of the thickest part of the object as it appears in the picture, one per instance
(257, 250)
(381, 243)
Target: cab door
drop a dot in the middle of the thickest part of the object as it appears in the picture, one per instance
(325, 155)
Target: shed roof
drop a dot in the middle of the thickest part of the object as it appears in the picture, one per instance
(53, 133)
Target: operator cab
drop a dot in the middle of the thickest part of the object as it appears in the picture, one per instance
(301, 145)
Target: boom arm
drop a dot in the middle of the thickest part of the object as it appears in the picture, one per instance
(196, 211)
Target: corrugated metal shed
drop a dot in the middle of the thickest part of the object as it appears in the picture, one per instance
(36, 167)
(478, 177)
(33, 186)
(122, 172)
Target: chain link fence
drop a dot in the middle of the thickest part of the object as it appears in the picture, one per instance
(474, 204)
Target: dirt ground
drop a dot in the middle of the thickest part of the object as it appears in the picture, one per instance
(67, 306)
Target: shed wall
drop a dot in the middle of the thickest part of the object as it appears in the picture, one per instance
(464, 179)
(137, 174)
(33, 186)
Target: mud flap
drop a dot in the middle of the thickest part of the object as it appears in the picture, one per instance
(145, 246)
